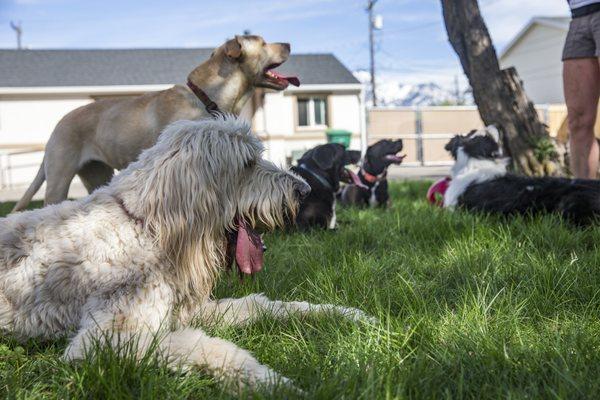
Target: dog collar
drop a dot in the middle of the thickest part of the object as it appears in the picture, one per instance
(211, 107)
(370, 178)
(318, 177)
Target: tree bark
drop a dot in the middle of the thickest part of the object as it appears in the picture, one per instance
(499, 94)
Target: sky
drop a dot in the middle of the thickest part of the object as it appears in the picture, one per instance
(412, 46)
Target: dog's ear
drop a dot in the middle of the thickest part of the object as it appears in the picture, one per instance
(453, 144)
(351, 157)
(233, 48)
(324, 156)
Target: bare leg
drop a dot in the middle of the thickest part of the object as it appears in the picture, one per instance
(250, 308)
(582, 88)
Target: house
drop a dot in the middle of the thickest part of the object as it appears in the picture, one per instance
(536, 52)
(38, 87)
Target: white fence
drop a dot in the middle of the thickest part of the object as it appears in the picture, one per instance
(18, 165)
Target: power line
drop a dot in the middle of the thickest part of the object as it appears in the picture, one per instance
(414, 28)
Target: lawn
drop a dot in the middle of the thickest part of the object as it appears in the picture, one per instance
(469, 307)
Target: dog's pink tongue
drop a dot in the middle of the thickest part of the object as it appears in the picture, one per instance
(248, 250)
(394, 158)
(293, 80)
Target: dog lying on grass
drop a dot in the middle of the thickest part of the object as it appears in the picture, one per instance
(373, 176)
(323, 167)
(138, 259)
(480, 182)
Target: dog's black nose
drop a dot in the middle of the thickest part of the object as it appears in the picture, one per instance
(286, 46)
(302, 190)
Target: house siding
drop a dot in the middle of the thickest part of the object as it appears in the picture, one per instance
(27, 121)
(283, 138)
(537, 57)
(31, 121)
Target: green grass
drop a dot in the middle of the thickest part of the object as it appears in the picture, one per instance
(470, 307)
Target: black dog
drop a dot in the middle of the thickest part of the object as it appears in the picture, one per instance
(323, 167)
(480, 182)
(373, 175)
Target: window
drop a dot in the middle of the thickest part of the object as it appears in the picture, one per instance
(312, 111)
(303, 112)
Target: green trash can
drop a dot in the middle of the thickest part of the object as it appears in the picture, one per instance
(339, 136)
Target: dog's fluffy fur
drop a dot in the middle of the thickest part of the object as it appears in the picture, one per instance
(481, 182)
(139, 257)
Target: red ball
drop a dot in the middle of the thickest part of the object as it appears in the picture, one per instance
(436, 192)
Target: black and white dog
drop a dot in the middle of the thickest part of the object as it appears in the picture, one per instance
(373, 175)
(480, 182)
(323, 167)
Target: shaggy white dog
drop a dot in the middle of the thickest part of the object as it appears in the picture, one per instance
(139, 257)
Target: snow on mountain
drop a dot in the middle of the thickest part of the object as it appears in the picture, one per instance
(392, 92)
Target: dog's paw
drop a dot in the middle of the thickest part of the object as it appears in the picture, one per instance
(289, 386)
(355, 314)
(268, 379)
(73, 354)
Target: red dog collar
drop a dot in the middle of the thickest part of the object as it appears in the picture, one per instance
(370, 178)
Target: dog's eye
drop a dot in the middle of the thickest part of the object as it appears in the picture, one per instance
(250, 163)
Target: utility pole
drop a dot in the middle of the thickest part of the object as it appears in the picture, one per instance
(19, 31)
(372, 50)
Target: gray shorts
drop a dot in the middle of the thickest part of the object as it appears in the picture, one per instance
(583, 39)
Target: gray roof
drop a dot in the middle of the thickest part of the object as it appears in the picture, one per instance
(37, 68)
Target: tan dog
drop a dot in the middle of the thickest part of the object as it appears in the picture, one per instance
(94, 140)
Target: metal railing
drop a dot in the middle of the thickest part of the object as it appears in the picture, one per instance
(8, 164)
(423, 144)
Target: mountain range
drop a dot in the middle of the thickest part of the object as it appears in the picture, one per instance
(391, 91)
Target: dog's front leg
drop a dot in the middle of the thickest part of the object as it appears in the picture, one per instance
(250, 308)
(333, 220)
(186, 348)
(193, 348)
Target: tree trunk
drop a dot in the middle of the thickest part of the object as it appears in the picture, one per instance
(499, 94)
